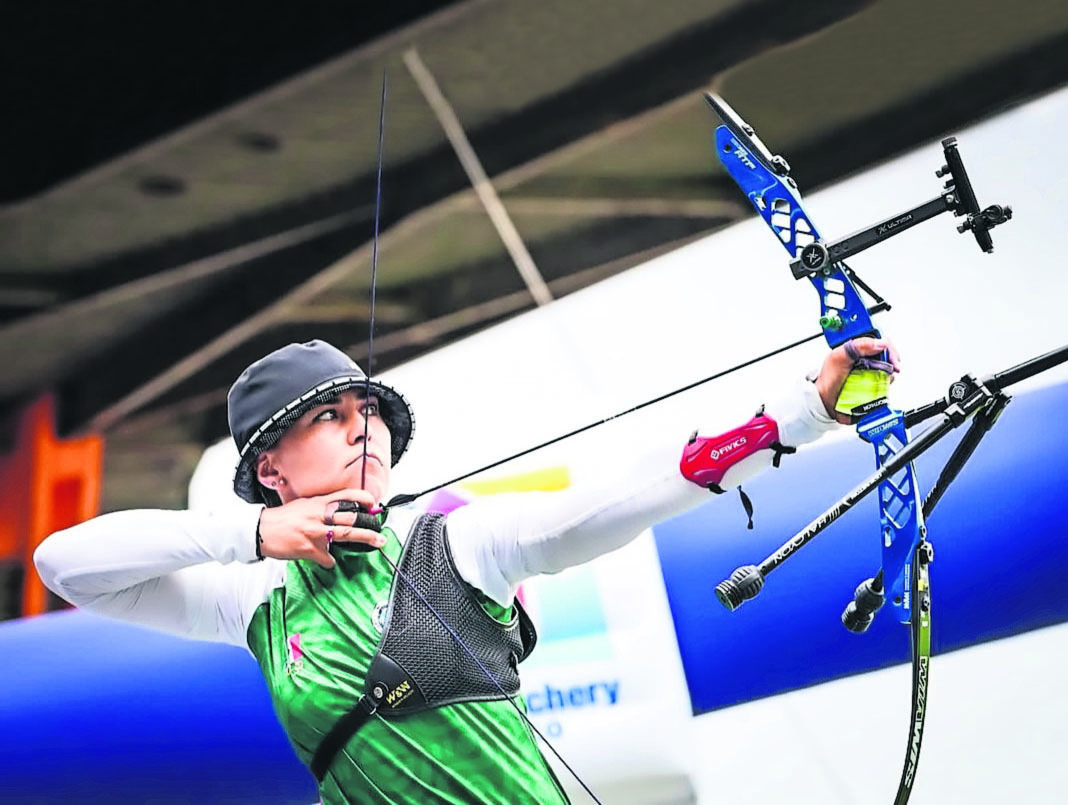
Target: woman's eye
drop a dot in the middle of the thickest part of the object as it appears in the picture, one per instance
(371, 409)
(328, 414)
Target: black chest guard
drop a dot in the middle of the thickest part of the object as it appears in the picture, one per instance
(420, 662)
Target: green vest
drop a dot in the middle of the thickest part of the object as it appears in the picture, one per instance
(314, 639)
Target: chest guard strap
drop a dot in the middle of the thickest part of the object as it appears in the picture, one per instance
(420, 662)
(706, 459)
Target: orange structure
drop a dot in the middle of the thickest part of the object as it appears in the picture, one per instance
(46, 483)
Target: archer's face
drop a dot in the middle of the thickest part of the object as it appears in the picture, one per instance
(323, 451)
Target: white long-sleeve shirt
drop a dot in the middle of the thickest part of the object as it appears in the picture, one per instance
(195, 574)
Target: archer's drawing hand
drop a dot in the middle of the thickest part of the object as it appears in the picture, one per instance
(839, 363)
(304, 528)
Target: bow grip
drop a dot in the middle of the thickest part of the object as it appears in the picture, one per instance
(866, 386)
(863, 391)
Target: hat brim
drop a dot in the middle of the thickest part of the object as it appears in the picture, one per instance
(393, 407)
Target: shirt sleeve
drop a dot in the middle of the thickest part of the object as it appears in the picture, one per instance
(189, 573)
(499, 541)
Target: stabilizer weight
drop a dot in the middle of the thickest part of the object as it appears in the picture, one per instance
(744, 583)
(867, 600)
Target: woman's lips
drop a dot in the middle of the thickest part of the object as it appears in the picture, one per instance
(361, 456)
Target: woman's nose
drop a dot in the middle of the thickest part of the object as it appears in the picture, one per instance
(358, 428)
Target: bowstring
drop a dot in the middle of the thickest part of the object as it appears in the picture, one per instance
(363, 474)
(404, 499)
(374, 277)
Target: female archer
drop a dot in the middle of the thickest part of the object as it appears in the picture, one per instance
(390, 640)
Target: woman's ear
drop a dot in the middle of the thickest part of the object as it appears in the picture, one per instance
(266, 471)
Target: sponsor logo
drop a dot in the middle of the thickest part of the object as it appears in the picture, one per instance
(791, 546)
(728, 447)
(917, 729)
(883, 427)
(743, 157)
(398, 694)
(871, 405)
(814, 528)
(812, 256)
(890, 226)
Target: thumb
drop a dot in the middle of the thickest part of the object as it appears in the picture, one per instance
(322, 557)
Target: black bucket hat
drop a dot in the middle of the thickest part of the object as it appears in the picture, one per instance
(275, 391)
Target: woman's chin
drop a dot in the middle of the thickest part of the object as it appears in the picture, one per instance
(372, 482)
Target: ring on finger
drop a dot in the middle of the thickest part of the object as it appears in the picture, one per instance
(329, 535)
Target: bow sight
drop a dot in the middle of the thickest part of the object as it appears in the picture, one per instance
(957, 197)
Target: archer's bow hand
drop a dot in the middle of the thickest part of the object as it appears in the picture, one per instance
(860, 354)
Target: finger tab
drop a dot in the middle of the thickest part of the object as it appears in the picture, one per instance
(370, 522)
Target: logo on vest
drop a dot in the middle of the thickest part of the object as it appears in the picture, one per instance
(295, 663)
(379, 615)
(397, 695)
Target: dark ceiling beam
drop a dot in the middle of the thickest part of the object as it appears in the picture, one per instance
(59, 327)
(438, 295)
(433, 333)
(1017, 77)
(557, 160)
(385, 312)
(151, 421)
(99, 398)
(179, 344)
(668, 70)
(18, 300)
(705, 209)
(988, 90)
(161, 370)
(74, 67)
(1014, 79)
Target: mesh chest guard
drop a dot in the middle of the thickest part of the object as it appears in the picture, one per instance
(420, 664)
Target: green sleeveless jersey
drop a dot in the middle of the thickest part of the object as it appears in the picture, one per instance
(314, 639)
